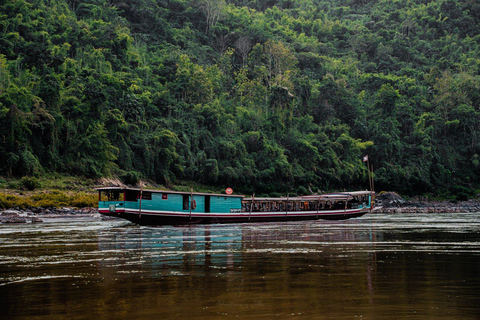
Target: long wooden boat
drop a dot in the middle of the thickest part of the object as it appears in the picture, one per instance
(158, 207)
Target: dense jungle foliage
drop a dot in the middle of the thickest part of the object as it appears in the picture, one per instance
(266, 96)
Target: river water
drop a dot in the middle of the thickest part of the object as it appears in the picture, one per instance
(409, 266)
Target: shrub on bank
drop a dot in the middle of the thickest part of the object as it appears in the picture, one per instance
(30, 183)
(53, 199)
(130, 178)
(82, 200)
(8, 201)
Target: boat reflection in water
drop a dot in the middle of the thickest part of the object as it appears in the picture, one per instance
(168, 250)
(247, 269)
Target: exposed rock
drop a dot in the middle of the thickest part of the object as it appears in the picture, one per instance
(109, 182)
(36, 215)
(108, 218)
(391, 202)
(11, 213)
(390, 199)
(13, 219)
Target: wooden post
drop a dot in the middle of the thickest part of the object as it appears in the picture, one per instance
(251, 207)
(372, 200)
(190, 203)
(286, 206)
(140, 204)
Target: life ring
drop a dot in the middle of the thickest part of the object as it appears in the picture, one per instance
(194, 204)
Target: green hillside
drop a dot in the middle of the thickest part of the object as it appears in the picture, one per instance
(263, 96)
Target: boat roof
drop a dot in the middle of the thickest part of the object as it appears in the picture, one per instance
(340, 194)
(115, 188)
(323, 197)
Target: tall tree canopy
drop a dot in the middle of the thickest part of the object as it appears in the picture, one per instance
(264, 96)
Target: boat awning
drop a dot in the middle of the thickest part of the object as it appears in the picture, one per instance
(109, 188)
(304, 198)
(320, 197)
(273, 199)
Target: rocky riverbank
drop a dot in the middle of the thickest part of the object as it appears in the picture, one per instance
(36, 215)
(391, 202)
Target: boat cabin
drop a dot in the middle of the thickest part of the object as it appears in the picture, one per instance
(145, 200)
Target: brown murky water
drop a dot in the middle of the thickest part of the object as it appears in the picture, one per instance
(374, 267)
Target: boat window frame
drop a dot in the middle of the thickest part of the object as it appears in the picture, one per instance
(146, 195)
(186, 202)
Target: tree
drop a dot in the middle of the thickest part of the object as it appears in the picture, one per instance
(213, 10)
(243, 46)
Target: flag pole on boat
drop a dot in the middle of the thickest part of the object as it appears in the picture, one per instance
(373, 181)
(370, 178)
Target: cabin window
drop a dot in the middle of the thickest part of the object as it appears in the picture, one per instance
(113, 195)
(146, 195)
(207, 203)
(186, 202)
(131, 195)
(340, 205)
